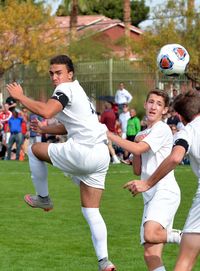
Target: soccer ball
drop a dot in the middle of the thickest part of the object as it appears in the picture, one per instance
(172, 59)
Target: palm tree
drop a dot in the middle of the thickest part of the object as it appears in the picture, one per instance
(127, 23)
(71, 8)
(73, 20)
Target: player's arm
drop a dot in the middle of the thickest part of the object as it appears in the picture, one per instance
(46, 110)
(137, 165)
(56, 129)
(164, 168)
(132, 147)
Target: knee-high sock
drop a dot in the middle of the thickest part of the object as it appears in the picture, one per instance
(38, 174)
(98, 231)
(161, 268)
(174, 236)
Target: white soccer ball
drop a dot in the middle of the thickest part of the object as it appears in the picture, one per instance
(172, 59)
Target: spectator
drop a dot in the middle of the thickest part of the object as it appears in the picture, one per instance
(173, 128)
(174, 94)
(33, 136)
(173, 118)
(143, 123)
(5, 115)
(123, 119)
(133, 126)
(51, 138)
(122, 96)
(108, 118)
(12, 103)
(2, 149)
(15, 125)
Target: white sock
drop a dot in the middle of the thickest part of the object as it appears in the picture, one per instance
(161, 268)
(174, 236)
(38, 174)
(98, 231)
(115, 158)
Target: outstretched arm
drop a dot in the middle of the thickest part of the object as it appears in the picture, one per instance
(46, 110)
(132, 147)
(165, 167)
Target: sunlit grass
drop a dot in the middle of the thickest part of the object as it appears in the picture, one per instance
(34, 240)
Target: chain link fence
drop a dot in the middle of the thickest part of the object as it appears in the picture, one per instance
(100, 78)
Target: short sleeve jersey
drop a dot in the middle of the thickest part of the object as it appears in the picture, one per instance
(191, 134)
(79, 116)
(160, 139)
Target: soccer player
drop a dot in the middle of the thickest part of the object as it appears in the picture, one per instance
(162, 201)
(186, 141)
(84, 156)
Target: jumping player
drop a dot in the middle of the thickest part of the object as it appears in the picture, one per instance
(84, 156)
(161, 202)
(186, 141)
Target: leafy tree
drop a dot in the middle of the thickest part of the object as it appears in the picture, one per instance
(110, 8)
(89, 49)
(171, 26)
(26, 34)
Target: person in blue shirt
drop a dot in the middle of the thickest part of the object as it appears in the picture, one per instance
(15, 123)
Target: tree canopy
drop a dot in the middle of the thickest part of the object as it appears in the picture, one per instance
(25, 30)
(110, 8)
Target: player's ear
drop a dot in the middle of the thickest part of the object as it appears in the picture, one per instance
(145, 103)
(70, 75)
(165, 110)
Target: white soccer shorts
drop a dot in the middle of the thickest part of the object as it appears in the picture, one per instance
(192, 224)
(162, 209)
(81, 162)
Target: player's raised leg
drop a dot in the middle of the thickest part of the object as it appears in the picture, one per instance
(90, 201)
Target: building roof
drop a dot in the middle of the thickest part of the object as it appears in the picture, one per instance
(95, 23)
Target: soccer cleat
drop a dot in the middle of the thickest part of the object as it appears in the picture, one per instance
(106, 265)
(36, 201)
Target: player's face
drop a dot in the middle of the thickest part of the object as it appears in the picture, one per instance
(155, 108)
(59, 74)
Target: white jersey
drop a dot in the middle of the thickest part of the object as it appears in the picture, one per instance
(78, 116)
(123, 119)
(191, 133)
(122, 96)
(160, 139)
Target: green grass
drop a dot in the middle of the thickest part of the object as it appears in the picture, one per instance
(33, 240)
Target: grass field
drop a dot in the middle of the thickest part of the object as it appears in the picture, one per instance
(33, 240)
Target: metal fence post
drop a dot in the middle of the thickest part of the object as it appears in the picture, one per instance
(110, 63)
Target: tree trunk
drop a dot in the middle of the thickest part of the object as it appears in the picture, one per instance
(127, 23)
(190, 14)
(73, 20)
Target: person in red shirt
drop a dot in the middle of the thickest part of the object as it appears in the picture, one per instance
(108, 118)
(5, 115)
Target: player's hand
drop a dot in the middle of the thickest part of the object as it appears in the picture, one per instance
(15, 90)
(136, 186)
(139, 138)
(36, 126)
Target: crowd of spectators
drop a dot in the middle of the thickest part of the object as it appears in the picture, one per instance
(16, 135)
(15, 132)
